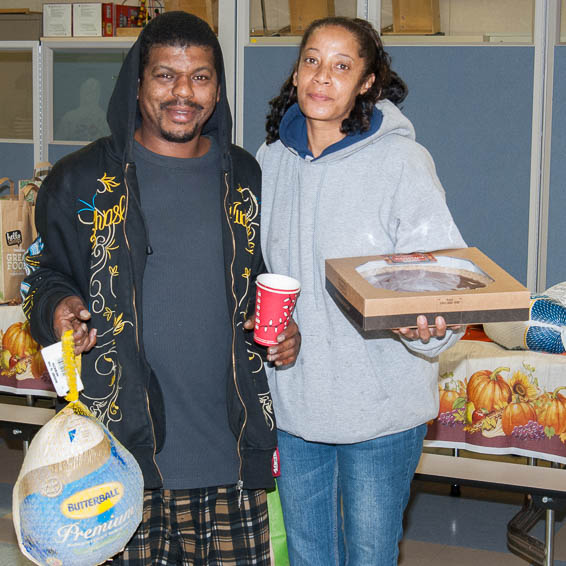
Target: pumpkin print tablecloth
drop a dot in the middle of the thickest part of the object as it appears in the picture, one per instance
(22, 370)
(500, 401)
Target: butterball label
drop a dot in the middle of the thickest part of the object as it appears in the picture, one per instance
(73, 533)
(14, 238)
(92, 501)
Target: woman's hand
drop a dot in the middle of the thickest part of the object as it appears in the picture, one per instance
(287, 350)
(424, 332)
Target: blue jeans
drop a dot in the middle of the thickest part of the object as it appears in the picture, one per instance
(343, 504)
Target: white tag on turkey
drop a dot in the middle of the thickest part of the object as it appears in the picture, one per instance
(53, 358)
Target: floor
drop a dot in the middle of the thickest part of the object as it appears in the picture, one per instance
(468, 530)
(442, 530)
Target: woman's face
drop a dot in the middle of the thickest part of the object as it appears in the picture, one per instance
(329, 76)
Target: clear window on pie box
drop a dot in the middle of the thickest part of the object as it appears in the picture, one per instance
(445, 274)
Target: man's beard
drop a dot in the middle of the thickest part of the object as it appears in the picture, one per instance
(180, 138)
(184, 137)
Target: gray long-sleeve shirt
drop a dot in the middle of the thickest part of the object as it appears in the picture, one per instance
(380, 195)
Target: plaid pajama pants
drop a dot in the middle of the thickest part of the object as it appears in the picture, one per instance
(200, 527)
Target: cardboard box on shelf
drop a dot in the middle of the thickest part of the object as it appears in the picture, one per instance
(419, 17)
(57, 20)
(87, 19)
(126, 16)
(303, 13)
(128, 32)
(20, 24)
(480, 290)
(108, 19)
(205, 9)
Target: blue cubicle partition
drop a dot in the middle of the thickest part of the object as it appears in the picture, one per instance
(472, 109)
(56, 151)
(16, 161)
(556, 254)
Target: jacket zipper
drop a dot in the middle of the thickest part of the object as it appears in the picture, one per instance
(130, 251)
(240, 484)
(136, 314)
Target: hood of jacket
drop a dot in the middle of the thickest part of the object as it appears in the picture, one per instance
(386, 120)
(124, 116)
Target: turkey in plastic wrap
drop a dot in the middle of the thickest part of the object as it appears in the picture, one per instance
(79, 495)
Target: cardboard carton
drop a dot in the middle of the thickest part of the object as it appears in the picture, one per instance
(303, 13)
(108, 19)
(87, 20)
(416, 17)
(128, 32)
(204, 9)
(126, 16)
(57, 20)
(483, 291)
(18, 24)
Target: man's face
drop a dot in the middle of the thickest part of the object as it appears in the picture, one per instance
(177, 95)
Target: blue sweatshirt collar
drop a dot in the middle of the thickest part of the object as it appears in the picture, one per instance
(293, 132)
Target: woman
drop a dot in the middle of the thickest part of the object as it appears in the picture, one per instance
(343, 176)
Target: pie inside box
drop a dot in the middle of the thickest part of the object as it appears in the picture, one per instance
(390, 291)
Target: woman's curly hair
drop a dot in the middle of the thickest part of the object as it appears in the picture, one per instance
(387, 84)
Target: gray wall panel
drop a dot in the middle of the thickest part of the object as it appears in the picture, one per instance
(265, 70)
(57, 151)
(16, 161)
(472, 109)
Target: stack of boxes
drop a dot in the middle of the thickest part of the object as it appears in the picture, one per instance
(107, 19)
(91, 19)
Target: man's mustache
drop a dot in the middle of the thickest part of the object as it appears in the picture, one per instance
(189, 103)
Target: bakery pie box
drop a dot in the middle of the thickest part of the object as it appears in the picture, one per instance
(387, 291)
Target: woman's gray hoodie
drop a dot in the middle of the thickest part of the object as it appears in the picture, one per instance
(379, 195)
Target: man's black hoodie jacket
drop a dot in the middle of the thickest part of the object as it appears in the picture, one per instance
(95, 244)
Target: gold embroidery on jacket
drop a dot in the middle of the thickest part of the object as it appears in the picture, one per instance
(104, 273)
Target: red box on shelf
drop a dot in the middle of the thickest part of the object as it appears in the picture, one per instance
(108, 19)
(126, 16)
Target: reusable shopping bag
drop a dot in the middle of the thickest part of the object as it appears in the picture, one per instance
(279, 556)
(16, 234)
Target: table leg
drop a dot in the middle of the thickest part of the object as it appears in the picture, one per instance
(455, 487)
(549, 538)
(30, 403)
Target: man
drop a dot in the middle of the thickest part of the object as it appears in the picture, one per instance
(151, 249)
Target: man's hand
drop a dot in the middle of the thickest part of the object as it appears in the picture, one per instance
(287, 350)
(71, 314)
(424, 332)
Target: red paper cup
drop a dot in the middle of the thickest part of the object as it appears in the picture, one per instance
(276, 296)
